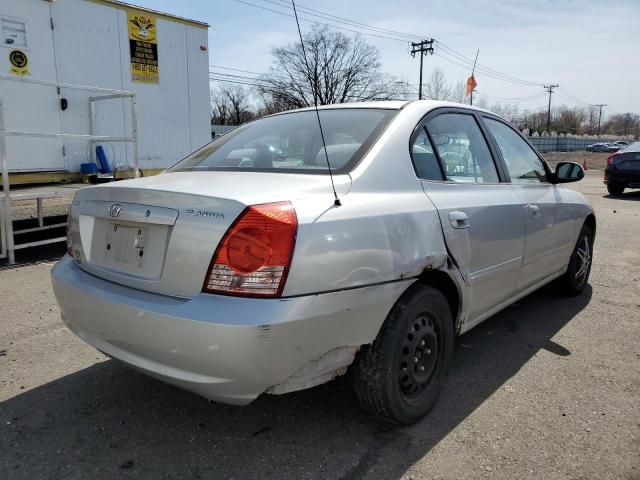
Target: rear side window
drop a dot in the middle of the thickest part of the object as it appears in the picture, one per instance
(292, 142)
(462, 148)
(522, 162)
(425, 161)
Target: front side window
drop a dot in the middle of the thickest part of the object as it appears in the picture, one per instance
(522, 162)
(462, 148)
(291, 142)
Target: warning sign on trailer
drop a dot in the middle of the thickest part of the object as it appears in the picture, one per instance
(19, 63)
(143, 46)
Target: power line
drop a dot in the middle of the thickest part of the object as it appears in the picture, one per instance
(443, 51)
(467, 63)
(328, 16)
(238, 70)
(571, 100)
(468, 66)
(481, 67)
(573, 97)
(241, 77)
(322, 23)
(238, 82)
(513, 99)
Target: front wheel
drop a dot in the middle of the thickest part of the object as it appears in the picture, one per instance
(577, 274)
(399, 377)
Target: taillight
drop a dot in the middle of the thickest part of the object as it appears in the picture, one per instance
(69, 243)
(254, 256)
(610, 160)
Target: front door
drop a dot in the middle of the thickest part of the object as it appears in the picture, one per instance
(550, 224)
(482, 218)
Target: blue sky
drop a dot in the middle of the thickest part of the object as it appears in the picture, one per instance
(590, 48)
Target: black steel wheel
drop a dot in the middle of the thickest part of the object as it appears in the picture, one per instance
(399, 377)
(419, 357)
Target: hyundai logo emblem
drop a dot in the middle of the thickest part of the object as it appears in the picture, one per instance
(115, 210)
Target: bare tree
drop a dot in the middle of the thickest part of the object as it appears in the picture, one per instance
(230, 105)
(592, 119)
(437, 87)
(339, 69)
(219, 109)
(481, 102)
(458, 92)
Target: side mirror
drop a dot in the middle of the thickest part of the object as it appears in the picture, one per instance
(568, 172)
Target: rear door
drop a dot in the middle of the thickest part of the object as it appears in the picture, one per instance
(482, 217)
(550, 221)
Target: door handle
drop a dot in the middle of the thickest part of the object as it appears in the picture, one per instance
(459, 219)
(534, 211)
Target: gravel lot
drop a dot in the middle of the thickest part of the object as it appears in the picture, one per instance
(549, 388)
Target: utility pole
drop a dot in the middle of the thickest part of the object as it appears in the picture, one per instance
(549, 88)
(600, 105)
(627, 119)
(423, 48)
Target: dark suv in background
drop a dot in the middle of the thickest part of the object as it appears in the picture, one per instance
(623, 169)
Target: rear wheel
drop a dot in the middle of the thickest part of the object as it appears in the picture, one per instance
(399, 377)
(615, 189)
(577, 275)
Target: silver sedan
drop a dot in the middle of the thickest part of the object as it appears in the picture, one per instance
(239, 271)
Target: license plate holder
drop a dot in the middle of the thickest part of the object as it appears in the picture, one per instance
(125, 244)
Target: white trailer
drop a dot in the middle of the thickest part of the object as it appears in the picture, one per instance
(107, 44)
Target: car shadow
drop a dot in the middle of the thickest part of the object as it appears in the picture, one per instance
(107, 420)
(627, 195)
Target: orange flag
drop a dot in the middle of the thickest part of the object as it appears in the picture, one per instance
(471, 85)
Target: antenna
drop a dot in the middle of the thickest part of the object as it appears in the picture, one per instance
(336, 201)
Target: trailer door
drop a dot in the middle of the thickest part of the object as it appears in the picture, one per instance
(88, 38)
(25, 27)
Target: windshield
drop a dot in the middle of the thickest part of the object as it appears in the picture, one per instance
(291, 142)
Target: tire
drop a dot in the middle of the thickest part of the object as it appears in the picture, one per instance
(399, 377)
(576, 277)
(615, 189)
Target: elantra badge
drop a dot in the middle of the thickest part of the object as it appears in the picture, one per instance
(204, 213)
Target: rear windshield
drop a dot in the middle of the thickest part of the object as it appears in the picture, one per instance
(291, 142)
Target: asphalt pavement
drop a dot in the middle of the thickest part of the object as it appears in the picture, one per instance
(549, 388)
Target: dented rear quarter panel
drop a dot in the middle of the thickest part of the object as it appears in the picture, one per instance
(386, 229)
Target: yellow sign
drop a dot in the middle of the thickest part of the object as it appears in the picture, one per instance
(19, 63)
(143, 46)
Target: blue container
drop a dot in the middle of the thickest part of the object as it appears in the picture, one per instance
(88, 168)
(103, 160)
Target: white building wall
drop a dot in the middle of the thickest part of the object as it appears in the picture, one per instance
(92, 48)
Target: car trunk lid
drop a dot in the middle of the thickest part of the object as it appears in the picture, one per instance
(627, 161)
(159, 234)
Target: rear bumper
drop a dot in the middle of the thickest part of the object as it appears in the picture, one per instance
(622, 177)
(227, 349)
